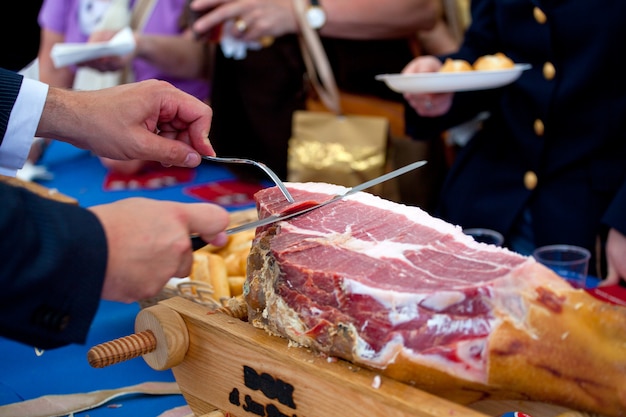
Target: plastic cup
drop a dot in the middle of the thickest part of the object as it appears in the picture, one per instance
(570, 262)
(485, 236)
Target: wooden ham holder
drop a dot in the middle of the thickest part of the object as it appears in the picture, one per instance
(223, 363)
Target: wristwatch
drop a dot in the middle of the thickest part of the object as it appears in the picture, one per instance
(315, 15)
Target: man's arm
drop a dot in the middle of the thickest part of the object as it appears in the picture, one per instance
(53, 258)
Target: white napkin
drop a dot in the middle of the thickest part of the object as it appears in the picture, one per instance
(64, 54)
(233, 47)
(32, 172)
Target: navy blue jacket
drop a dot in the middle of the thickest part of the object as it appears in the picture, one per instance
(52, 259)
(565, 128)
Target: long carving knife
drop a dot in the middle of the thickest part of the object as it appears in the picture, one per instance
(198, 243)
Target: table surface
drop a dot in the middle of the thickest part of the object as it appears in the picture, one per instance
(25, 375)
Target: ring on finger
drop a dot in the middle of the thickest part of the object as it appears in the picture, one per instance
(266, 41)
(241, 25)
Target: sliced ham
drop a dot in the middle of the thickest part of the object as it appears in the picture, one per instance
(389, 287)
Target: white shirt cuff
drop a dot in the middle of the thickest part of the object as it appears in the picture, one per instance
(22, 125)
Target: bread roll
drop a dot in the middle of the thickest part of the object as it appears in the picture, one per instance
(493, 62)
(455, 65)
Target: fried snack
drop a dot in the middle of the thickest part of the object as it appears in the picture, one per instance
(455, 65)
(224, 268)
(236, 261)
(236, 285)
(238, 241)
(219, 277)
(236, 252)
(200, 267)
(210, 268)
(493, 62)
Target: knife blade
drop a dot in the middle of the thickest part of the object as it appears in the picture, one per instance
(198, 243)
(361, 187)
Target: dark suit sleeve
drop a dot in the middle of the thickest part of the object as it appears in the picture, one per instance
(52, 263)
(10, 83)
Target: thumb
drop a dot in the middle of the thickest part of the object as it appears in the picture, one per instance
(208, 221)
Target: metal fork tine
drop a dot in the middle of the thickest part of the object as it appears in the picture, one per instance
(260, 165)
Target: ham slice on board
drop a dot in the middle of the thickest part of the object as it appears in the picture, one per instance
(391, 288)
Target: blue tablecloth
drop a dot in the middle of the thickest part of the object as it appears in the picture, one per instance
(79, 174)
(24, 375)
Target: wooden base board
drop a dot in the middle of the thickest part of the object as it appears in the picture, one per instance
(234, 367)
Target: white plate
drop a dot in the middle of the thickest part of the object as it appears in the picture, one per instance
(447, 82)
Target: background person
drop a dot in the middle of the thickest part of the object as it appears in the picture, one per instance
(254, 98)
(549, 164)
(164, 49)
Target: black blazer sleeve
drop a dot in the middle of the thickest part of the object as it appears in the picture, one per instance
(10, 83)
(52, 264)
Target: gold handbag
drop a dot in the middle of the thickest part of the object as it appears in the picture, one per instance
(330, 145)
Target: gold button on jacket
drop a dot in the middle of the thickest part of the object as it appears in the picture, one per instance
(530, 180)
(538, 127)
(548, 70)
(539, 15)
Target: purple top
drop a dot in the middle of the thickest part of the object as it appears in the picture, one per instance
(77, 18)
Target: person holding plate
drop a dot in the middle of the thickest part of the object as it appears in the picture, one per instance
(549, 164)
(255, 95)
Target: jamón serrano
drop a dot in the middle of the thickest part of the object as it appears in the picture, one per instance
(389, 287)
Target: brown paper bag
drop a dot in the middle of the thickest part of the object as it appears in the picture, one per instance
(338, 149)
(331, 146)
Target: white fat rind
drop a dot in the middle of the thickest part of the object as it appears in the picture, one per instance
(392, 300)
(442, 300)
(414, 213)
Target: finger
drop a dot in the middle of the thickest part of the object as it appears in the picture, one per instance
(427, 103)
(221, 239)
(195, 120)
(184, 267)
(612, 277)
(166, 151)
(425, 63)
(187, 120)
(204, 5)
(207, 220)
(218, 15)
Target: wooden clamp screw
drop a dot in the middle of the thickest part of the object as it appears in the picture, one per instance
(161, 337)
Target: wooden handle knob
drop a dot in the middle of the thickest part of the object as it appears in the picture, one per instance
(161, 337)
(122, 349)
